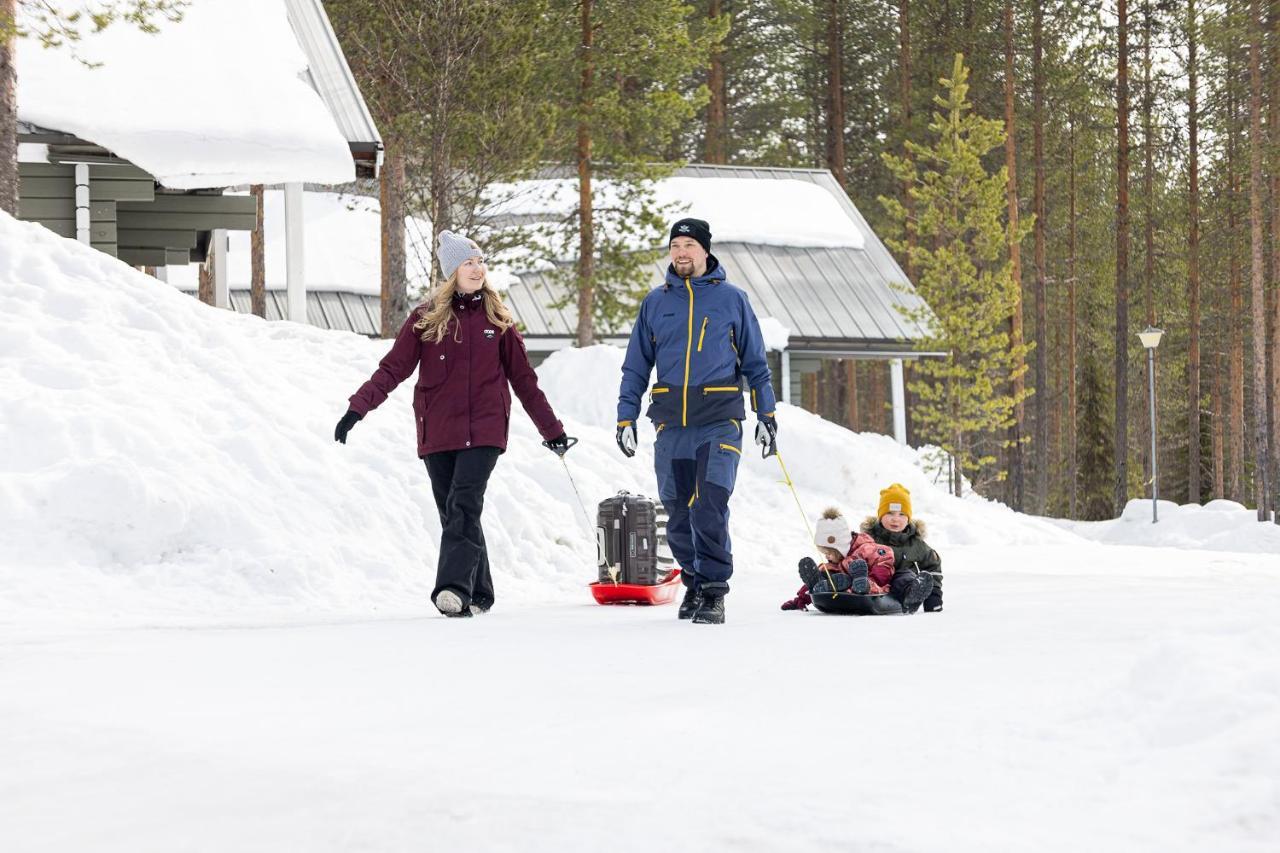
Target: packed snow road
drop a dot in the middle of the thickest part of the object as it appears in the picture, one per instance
(1100, 698)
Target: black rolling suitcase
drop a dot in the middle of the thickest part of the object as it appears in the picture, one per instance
(631, 540)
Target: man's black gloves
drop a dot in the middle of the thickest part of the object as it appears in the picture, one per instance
(344, 426)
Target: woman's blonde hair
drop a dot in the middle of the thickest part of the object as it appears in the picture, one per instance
(434, 319)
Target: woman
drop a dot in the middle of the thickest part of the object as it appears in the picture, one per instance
(466, 348)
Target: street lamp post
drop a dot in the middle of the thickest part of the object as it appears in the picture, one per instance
(1150, 338)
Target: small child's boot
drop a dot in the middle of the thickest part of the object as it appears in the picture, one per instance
(858, 577)
(917, 592)
(809, 572)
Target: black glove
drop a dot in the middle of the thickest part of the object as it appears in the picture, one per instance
(560, 444)
(767, 436)
(344, 426)
(627, 440)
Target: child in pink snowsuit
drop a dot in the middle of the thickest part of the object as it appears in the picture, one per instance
(854, 563)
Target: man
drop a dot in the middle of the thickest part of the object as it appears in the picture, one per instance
(701, 334)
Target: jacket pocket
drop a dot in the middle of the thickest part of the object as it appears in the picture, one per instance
(703, 334)
(435, 370)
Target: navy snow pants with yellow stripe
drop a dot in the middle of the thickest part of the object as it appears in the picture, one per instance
(696, 468)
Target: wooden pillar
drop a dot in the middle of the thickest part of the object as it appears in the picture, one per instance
(851, 391)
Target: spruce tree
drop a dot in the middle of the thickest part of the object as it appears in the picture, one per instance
(964, 400)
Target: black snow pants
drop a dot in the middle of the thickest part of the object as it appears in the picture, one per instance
(458, 482)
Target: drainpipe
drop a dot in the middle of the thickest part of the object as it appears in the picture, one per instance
(899, 401)
(295, 280)
(82, 203)
(218, 243)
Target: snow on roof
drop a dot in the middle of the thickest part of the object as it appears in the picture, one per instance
(342, 246)
(784, 212)
(215, 100)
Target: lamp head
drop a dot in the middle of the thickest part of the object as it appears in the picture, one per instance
(1150, 337)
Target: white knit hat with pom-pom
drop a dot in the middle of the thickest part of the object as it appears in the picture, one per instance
(832, 531)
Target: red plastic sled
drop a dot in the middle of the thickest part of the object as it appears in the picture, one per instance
(634, 593)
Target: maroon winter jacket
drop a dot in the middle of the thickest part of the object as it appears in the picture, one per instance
(461, 399)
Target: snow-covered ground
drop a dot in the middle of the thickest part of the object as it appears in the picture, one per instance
(215, 633)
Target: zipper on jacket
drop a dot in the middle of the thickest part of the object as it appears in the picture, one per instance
(710, 388)
(688, 353)
(703, 333)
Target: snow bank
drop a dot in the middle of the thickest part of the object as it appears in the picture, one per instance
(164, 456)
(1216, 526)
(215, 100)
(342, 247)
(775, 334)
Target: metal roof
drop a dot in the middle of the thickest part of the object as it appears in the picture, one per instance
(330, 75)
(841, 297)
(351, 312)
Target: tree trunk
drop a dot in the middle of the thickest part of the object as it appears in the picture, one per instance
(1016, 485)
(1041, 450)
(904, 91)
(1121, 448)
(851, 392)
(1072, 491)
(8, 110)
(257, 260)
(1217, 433)
(586, 233)
(1234, 320)
(835, 92)
(717, 126)
(1262, 465)
(1274, 338)
(395, 286)
(1193, 264)
(204, 290)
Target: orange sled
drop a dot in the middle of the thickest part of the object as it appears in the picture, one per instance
(634, 593)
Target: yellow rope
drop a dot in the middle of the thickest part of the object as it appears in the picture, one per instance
(786, 478)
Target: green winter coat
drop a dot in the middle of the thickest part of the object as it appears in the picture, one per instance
(910, 551)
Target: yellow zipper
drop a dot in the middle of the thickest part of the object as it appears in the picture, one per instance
(688, 353)
(720, 388)
(703, 334)
(731, 447)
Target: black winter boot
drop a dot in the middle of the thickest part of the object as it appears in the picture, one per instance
(809, 572)
(711, 611)
(917, 592)
(858, 577)
(690, 603)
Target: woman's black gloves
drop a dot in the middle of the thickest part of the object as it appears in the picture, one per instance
(344, 426)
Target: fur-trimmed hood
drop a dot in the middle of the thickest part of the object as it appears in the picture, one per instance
(869, 523)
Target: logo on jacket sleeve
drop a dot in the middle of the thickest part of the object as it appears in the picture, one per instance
(489, 334)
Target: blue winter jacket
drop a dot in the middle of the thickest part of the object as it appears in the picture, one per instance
(703, 337)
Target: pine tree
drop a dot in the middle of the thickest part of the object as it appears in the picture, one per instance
(964, 274)
(627, 107)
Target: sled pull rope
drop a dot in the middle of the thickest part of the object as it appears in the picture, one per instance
(786, 478)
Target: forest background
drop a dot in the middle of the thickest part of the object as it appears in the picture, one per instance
(1080, 170)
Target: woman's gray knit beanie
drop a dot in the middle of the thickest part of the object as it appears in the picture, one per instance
(453, 249)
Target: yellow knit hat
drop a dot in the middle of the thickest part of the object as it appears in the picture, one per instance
(896, 497)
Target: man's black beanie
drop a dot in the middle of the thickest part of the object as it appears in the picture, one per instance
(695, 228)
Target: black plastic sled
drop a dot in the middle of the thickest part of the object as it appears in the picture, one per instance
(852, 604)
